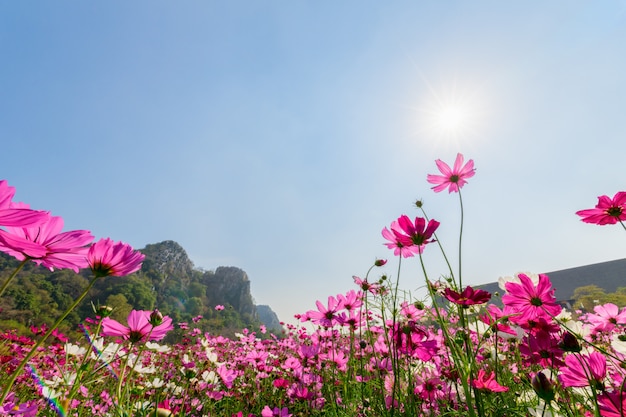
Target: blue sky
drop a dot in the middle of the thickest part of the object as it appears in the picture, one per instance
(281, 137)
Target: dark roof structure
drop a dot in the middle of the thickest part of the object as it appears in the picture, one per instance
(608, 275)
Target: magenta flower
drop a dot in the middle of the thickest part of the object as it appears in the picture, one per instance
(612, 404)
(607, 211)
(452, 179)
(109, 258)
(12, 408)
(46, 245)
(468, 297)
(276, 412)
(584, 370)
(525, 301)
(17, 214)
(487, 382)
(326, 316)
(418, 231)
(401, 244)
(139, 327)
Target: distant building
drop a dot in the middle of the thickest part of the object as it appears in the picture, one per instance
(608, 275)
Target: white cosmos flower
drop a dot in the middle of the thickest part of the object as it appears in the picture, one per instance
(157, 347)
(74, 350)
(515, 278)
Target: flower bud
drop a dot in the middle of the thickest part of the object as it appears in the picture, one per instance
(569, 343)
(380, 262)
(419, 203)
(156, 318)
(543, 387)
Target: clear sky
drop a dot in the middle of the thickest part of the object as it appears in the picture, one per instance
(282, 136)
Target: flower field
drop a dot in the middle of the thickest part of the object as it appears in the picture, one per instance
(370, 351)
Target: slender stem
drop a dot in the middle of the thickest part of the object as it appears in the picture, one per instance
(460, 241)
(9, 279)
(33, 350)
(443, 252)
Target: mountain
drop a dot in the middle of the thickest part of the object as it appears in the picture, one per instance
(167, 281)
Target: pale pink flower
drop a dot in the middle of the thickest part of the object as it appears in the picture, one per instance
(141, 327)
(46, 245)
(118, 259)
(607, 317)
(452, 179)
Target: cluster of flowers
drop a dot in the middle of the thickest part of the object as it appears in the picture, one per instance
(365, 352)
(37, 236)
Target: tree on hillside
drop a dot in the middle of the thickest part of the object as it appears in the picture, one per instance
(588, 296)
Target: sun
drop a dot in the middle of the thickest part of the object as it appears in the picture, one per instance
(452, 112)
(452, 120)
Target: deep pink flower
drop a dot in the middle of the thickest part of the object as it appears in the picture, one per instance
(418, 231)
(468, 297)
(46, 245)
(139, 327)
(606, 317)
(612, 404)
(487, 382)
(541, 348)
(398, 241)
(452, 179)
(525, 301)
(118, 259)
(17, 214)
(584, 370)
(607, 211)
(496, 318)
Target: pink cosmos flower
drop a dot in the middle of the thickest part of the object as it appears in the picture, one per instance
(118, 259)
(607, 211)
(401, 244)
(17, 214)
(11, 407)
(468, 297)
(326, 316)
(142, 326)
(606, 317)
(452, 179)
(46, 245)
(276, 412)
(525, 301)
(612, 404)
(418, 231)
(584, 370)
(487, 382)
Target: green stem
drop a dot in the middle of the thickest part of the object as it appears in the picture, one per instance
(8, 280)
(33, 350)
(460, 241)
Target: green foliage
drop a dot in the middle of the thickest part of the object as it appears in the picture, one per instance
(588, 296)
(167, 282)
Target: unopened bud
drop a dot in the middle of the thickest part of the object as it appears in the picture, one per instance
(380, 262)
(569, 343)
(156, 318)
(102, 311)
(419, 203)
(543, 387)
